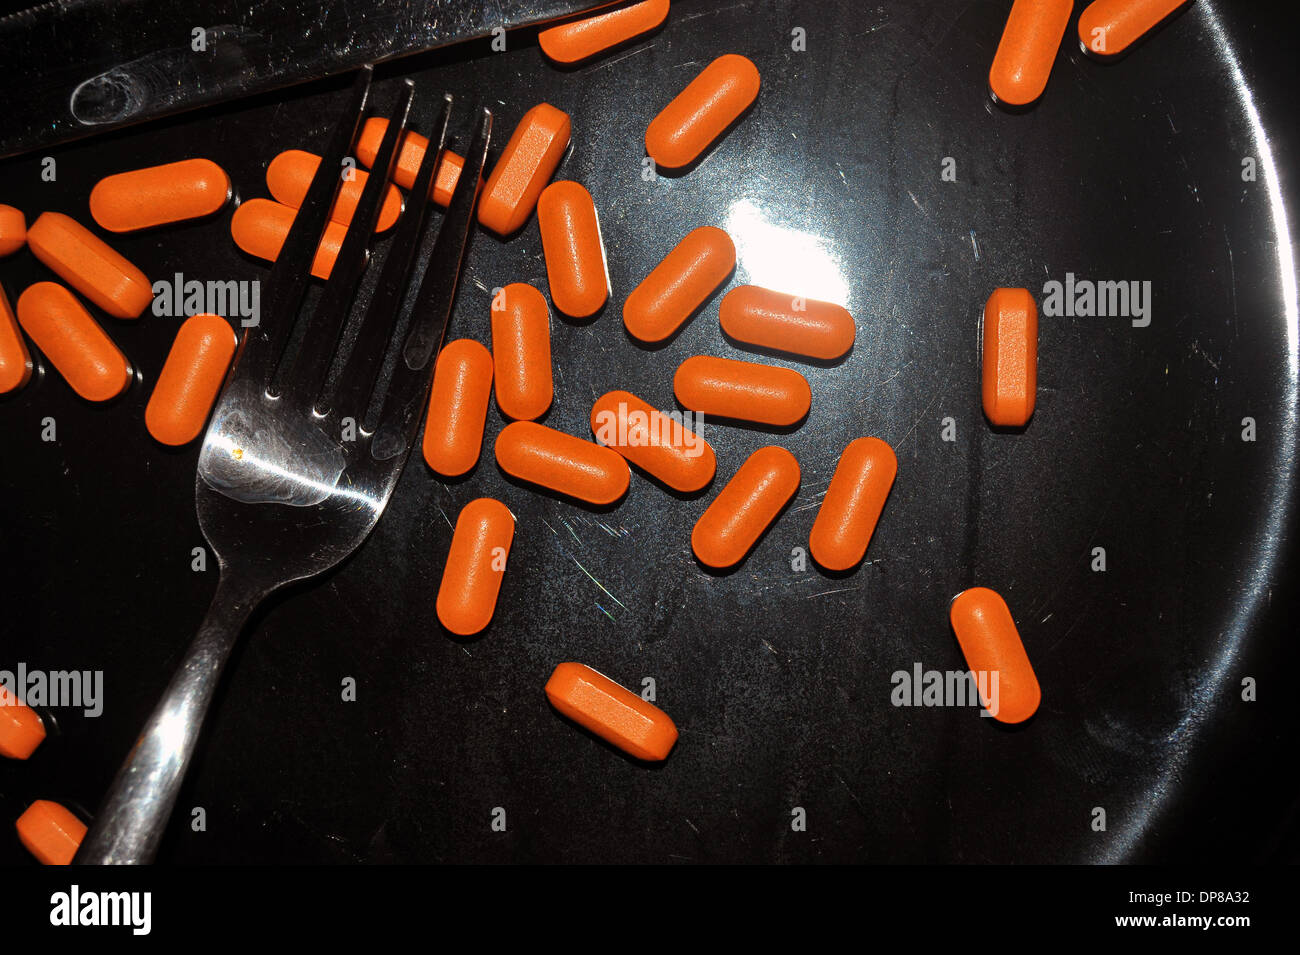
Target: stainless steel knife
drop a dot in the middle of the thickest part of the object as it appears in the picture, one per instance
(80, 67)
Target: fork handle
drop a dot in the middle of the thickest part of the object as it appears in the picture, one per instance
(134, 814)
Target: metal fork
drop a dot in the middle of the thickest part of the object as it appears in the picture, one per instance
(281, 493)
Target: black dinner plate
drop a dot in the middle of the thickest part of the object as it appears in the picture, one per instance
(781, 680)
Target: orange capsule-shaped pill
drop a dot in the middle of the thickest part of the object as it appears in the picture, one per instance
(743, 390)
(853, 502)
(13, 230)
(1027, 50)
(575, 254)
(521, 349)
(190, 379)
(995, 654)
(407, 167)
(289, 176)
(73, 341)
(51, 833)
(260, 226)
(15, 360)
(657, 443)
(458, 405)
(612, 712)
(1010, 369)
(158, 195)
(476, 563)
(446, 176)
(583, 39)
(86, 262)
(21, 729)
(1109, 27)
(746, 507)
(526, 165)
(541, 455)
(788, 323)
(678, 285)
(702, 112)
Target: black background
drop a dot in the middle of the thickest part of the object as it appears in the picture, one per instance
(779, 680)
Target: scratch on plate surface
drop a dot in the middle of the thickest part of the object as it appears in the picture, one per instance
(620, 59)
(827, 593)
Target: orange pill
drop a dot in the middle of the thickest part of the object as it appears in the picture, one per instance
(702, 112)
(407, 168)
(158, 195)
(1010, 357)
(476, 563)
(74, 343)
(15, 360)
(190, 379)
(788, 323)
(1109, 27)
(746, 507)
(679, 285)
(51, 833)
(85, 262)
(995, 654)
(289, 175)
(521, 349)
(657, 443)
(13, 230)
(1027, 50)
(260, 226)
(565, 464)
(21, 729)
(743, 390)
(575, 254)
(446, 176)
(583, 39)
(612, 712)
(458, 405)
(853, 502)
(526, 165)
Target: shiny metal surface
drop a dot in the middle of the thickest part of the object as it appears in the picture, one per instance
(89, 66)
(282, 494)
(779, 680)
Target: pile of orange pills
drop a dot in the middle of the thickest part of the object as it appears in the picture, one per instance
(518, 371)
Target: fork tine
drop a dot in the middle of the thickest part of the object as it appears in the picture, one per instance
(438, 289)
(263, 344)
(406, 393)
(302, 375)
(356, 381)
